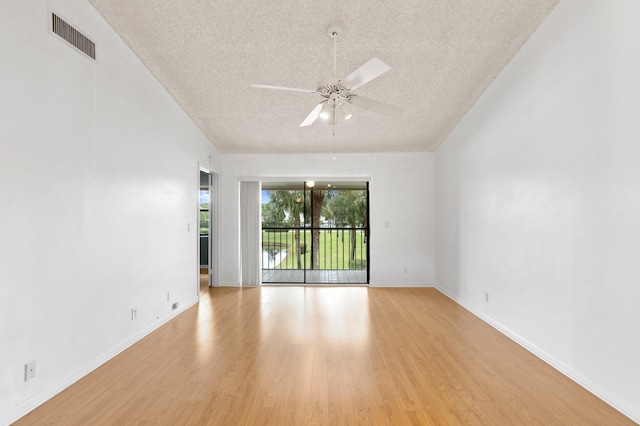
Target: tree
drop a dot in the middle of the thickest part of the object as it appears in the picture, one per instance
(349, 207)
(291, 204)
(327, 208)
(317, 199)
(272, 216)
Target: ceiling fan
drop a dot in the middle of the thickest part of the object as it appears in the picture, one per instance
(338, 92)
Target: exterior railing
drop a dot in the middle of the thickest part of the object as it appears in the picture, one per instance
(292, 248)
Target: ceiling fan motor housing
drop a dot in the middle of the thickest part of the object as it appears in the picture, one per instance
(333, 91)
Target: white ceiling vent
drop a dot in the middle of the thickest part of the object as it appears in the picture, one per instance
(73, 36)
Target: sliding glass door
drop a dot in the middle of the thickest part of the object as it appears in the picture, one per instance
(315, 233)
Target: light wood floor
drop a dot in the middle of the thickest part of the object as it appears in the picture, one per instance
(325, 355)
(204, 281)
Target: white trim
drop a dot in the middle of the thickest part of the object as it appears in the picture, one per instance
(544, 356)
(214, 226)
(214, 229)
(400, 285)
(206, 167)
(303, 178)
(48, 392)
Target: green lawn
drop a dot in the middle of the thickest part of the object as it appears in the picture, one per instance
(333, 252)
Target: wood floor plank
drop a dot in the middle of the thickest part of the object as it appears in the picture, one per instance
(325, 356)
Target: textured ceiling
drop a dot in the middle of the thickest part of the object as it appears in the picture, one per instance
(443, 54)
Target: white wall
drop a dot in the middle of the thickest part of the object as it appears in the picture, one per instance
(538, 199)
(98, 182)
(401, 196)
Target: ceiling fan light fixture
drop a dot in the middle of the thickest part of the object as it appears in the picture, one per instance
(325, 113)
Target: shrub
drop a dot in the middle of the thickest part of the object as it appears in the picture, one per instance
(358, 264)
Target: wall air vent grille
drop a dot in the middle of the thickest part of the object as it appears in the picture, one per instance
(73, 36)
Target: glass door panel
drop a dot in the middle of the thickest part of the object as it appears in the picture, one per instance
(316, 235)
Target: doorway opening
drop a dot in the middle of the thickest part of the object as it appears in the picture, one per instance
(315, 233)
(207, 230)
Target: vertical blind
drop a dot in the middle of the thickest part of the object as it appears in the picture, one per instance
(250, 234)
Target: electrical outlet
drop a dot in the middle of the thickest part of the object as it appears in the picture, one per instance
(486, 296)
(134, 313)
(175, 306)
(168, 296)
(29, 371)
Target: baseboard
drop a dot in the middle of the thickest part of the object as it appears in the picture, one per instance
(544, 356)
(229, 284)
(399, 285)
(48, 392)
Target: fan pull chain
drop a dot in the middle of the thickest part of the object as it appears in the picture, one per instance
(333, 124)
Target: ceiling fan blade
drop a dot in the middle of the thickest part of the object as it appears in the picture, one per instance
(311, 118)
(367, 72)
(291, 89)
(375, 106)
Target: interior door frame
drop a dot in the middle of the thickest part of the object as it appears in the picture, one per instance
(214, 225)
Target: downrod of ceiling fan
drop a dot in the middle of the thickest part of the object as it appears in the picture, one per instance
(334, 32)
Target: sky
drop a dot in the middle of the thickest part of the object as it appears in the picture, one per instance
(265, 196)
(204, 196)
